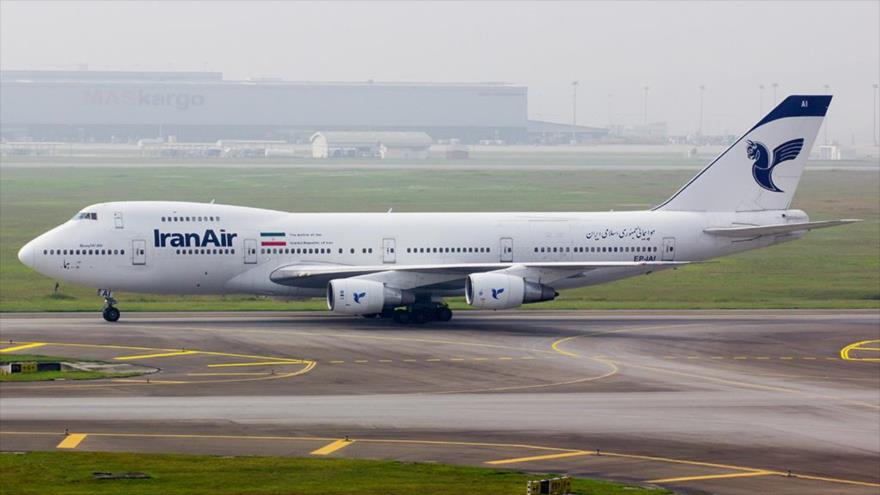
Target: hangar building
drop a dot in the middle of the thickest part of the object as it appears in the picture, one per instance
(99, 106)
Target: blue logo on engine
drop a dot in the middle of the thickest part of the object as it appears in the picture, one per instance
(358, 296)
(496, 293)
(762, 169)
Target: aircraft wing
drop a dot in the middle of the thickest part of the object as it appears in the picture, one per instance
(783, 228)
(412, 276)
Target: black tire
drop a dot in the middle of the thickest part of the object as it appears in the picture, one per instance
(421, 317)
(443, 314)
(111, 314)
(402, 317)
(372, 316)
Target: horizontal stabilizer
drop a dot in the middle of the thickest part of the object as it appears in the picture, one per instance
(782, 228)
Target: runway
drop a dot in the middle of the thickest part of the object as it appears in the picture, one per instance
(696, 401)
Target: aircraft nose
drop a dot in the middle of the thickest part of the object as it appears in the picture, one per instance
(26, 254)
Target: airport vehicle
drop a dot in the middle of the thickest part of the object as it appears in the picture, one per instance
(402, 265)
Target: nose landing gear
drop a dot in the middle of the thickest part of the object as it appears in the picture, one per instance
(110, 312)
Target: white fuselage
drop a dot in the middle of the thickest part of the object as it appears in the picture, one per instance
(194, 248)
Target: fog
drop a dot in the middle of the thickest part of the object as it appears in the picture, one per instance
(612, 49)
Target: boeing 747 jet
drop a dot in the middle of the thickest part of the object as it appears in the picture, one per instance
(402, 265)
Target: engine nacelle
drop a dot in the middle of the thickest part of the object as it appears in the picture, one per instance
(500, 291)
(352, 296)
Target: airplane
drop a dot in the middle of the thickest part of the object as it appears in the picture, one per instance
(403, 265)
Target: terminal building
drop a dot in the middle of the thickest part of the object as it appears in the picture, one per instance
(111, 106)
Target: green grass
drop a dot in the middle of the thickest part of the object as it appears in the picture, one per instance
(832, 268)
(69, 473)
(45, 376)
(38, 358)
(41, 376)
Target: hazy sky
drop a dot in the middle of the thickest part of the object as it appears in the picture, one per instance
(611, 48)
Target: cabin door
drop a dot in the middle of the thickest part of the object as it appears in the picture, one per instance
(250, 251)
(138, 252)
(668, 249)
(506, 250)
(388, 250)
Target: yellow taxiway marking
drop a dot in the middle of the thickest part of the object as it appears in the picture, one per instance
(257, 363)
(538, 458)
(147, 380)
(758, 358)
(712, 477)
(245, 373)
(150, 356)
(401, 441)
(863, 346)
(555, 346)
(72, 441)
(22, 347)
(332, 447)
(307, 367)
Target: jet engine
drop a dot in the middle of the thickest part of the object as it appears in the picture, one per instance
(501, 291)
(353, 296)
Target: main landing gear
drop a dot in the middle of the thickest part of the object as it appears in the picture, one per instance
(110, 312)
(422, 313)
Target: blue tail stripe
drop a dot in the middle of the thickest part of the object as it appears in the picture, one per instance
(798, 106)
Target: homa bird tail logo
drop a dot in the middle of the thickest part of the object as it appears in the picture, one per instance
(496, 293)
(762, 169)
(358, 296)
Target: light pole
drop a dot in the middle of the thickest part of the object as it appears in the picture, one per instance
(646, 88)
(874, 111)
(775, 85)
(761, 96)
(574, 98)
(702, 90)
(827, 91)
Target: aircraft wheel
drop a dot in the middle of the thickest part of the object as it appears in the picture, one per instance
(402, 317)
(421, 316)
(111, 314)
(443, 313)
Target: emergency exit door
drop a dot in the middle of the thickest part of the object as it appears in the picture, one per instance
(506, 249)
(668, 253)
(138, 252)
(250, 251)
(388, 250)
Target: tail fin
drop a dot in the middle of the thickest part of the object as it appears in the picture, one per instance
(761, 170)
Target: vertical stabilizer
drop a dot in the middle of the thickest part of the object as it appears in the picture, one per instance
(761, 170)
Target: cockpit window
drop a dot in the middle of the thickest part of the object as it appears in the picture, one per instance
(86, 215)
